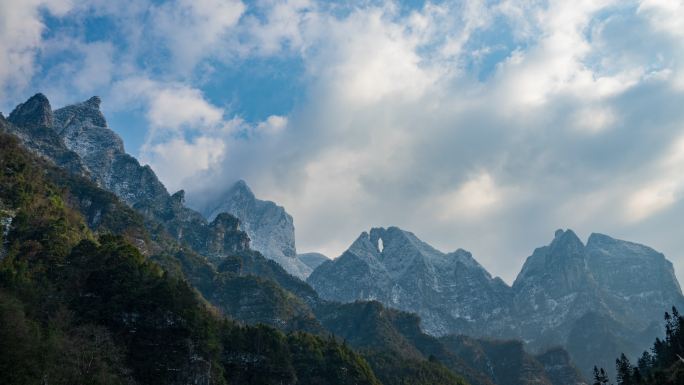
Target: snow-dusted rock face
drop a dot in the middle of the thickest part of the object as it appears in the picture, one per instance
(620, 281)
(77, 138)
(269, 227)
(639, 278)
(32, 122)
(596, 300)
(451, 292)
(84, 130)
(553, 290)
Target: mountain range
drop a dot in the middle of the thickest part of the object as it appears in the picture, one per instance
(412, 311)
(596, 300)
(83, 130)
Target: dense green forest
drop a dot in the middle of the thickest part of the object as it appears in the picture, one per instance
(662, 365)
(77, 307)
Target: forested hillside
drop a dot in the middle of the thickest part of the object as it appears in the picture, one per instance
(78, 306)
(663, 364)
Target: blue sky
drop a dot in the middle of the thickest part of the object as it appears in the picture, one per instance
(483, 125)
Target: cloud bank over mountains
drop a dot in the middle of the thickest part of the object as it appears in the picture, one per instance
(475, 124)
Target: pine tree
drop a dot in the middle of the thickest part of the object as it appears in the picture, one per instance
(600, 377)
(624, 370)
(636, 376)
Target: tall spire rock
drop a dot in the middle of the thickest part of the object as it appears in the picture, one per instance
(33, 122)
(84, 129)
(269, 226)
(94, 102)
(560, 267)
(35, 112)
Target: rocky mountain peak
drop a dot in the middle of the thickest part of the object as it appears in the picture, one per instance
(33, 123)
(83, 129)
(86, 116)
(559, 267)
(604, 242)
(179, 197)
(615, 263)
(35, 112)
(392, 266)
(364, 247)
(93, 102)
(393, 242)
(268, 225)
(240, 192)
(466, 258)
(566, 242)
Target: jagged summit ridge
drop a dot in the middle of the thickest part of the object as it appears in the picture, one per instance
(84, 130)
(268, 225)
(36, 111)
(564, 293)
(77, 138)
(393, 266)
(94, 102)
(32, 122)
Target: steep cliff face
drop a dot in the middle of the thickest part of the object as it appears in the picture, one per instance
(553, 290)
(81, 131)
(451, 292)
(269, 227)
(596, 300)
(636, 279)
(84, 130)
(32, 122)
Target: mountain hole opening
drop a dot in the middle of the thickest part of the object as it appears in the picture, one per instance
(381, 246)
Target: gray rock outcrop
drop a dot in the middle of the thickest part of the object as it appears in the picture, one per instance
(269, 227)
